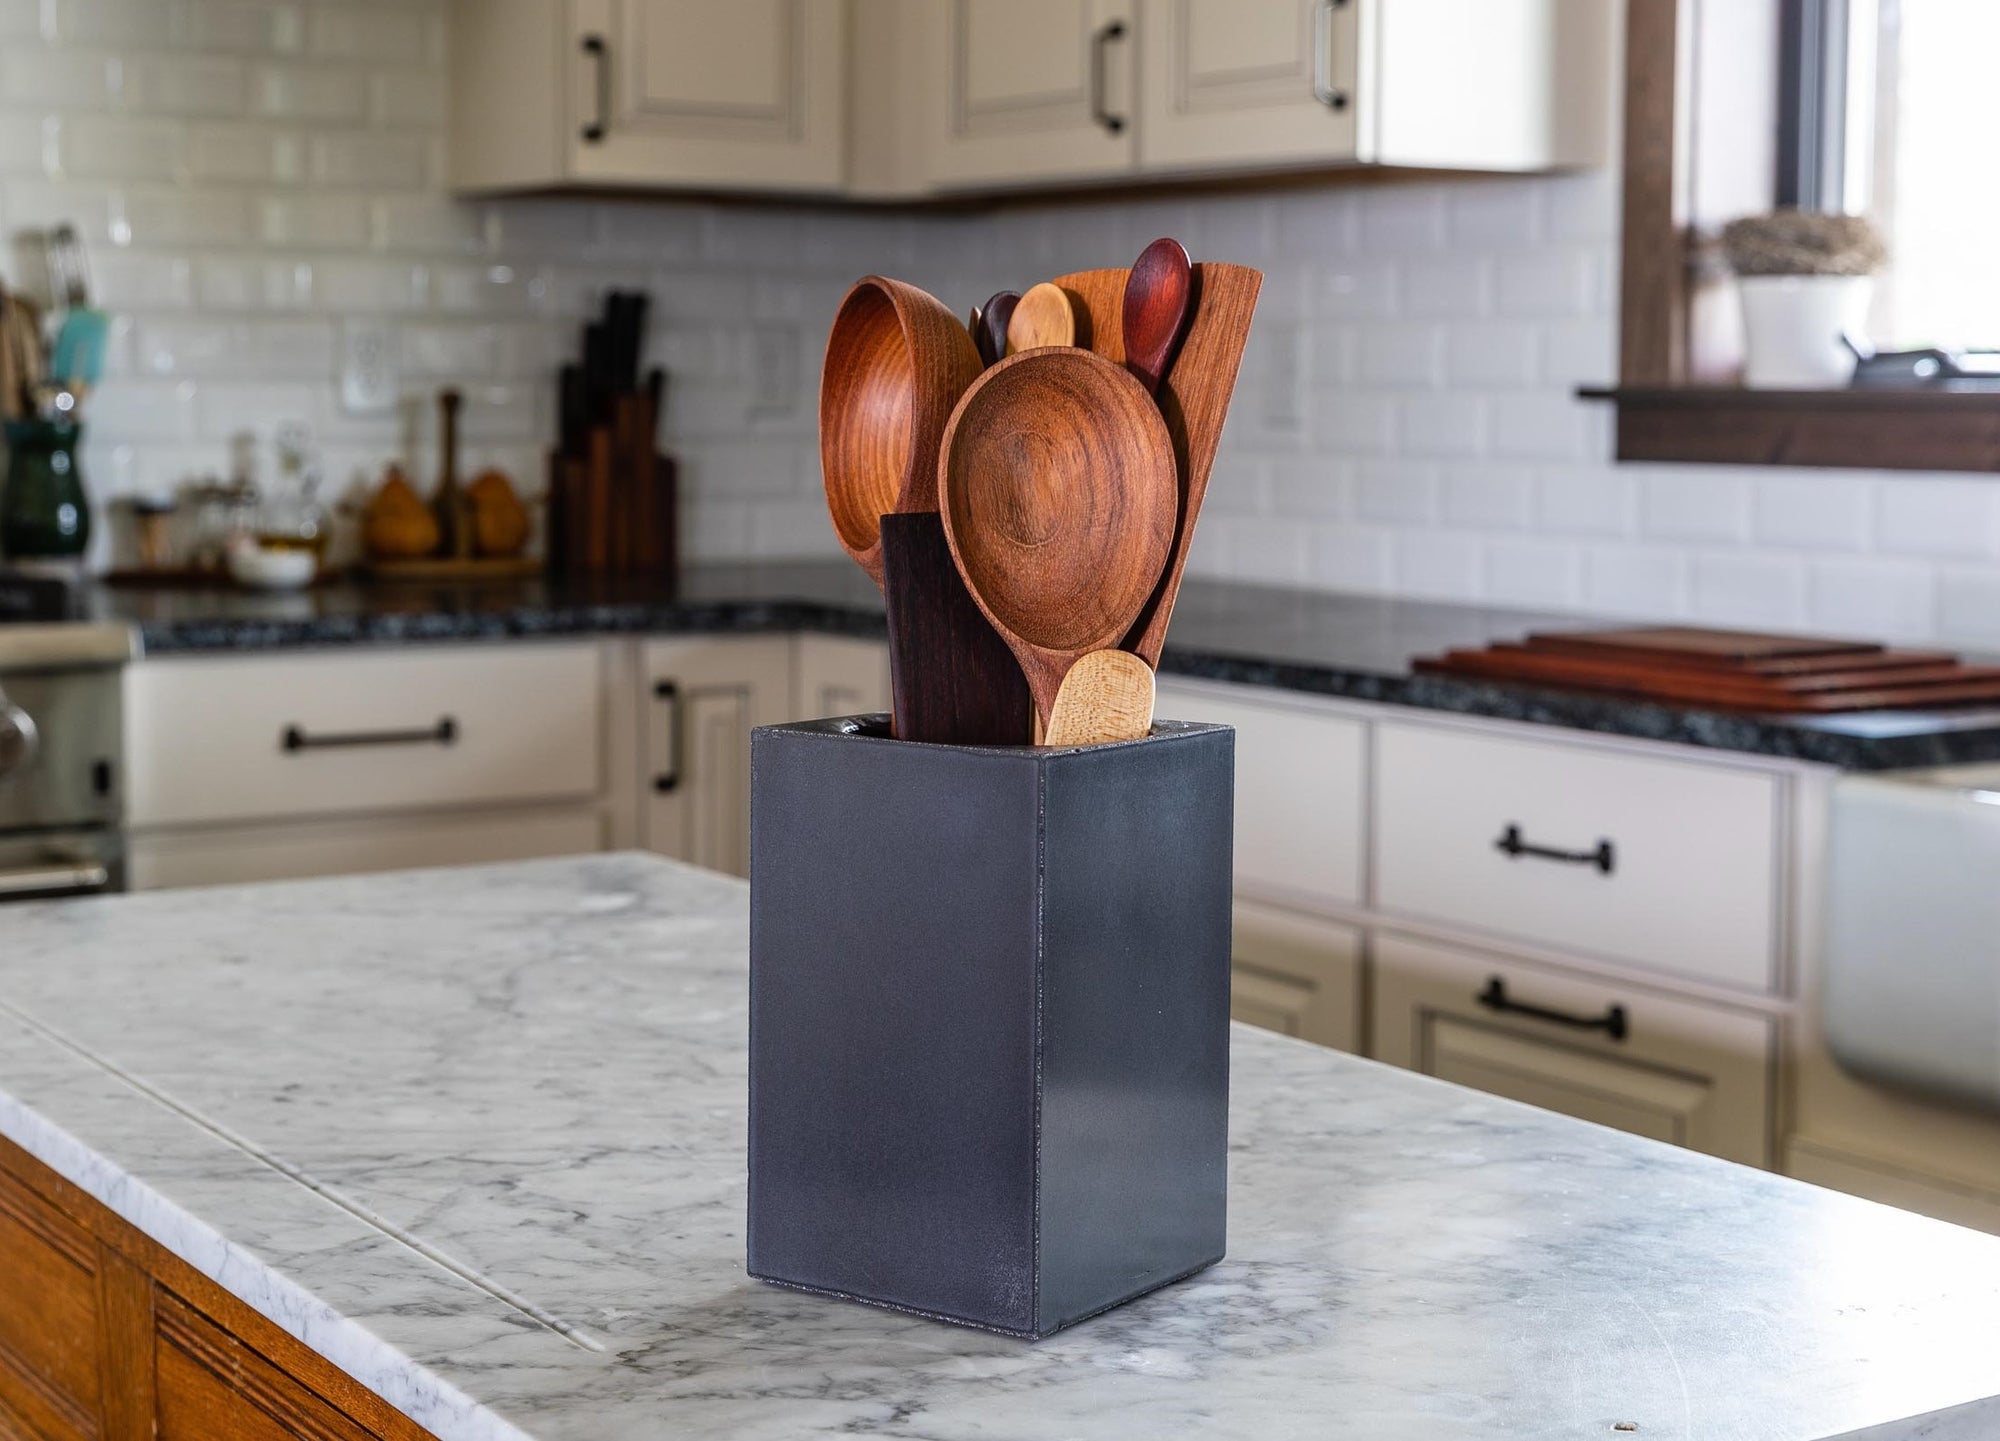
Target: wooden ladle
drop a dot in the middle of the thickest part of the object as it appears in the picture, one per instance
(896, 363)
(1058, 495)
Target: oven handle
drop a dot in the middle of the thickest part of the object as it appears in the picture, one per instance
(54, 880)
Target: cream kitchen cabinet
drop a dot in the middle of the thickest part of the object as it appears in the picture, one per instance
(1296, 974)
(834, 676)
(1017, 92)
(1435, 84)
(656, 94)
(1624, 1056)
(701, 696)
(262, 767)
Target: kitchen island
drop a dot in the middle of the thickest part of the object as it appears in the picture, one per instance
(477, 1137)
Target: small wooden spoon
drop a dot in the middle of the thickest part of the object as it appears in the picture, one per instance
(896, 363)
(1155, 311)
(1058, 497)
(1107, 696)
(1043, 317)
(992, 332)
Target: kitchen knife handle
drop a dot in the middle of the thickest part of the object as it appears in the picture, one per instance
(669, 780)
(594, 130)
(1099, 41)
(1495, 998)
(1324, 90)
(1602, 855)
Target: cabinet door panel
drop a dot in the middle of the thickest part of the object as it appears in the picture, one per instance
(1691, 1074)
(837, 676)
(1013, 89)
(703, 698)
(1297, 975)
(739, 93)
(212, 1387)
(1238, 83)
(49, 1345)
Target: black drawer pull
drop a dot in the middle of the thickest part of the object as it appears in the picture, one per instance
(669, 693)
(1495, 998)
(1511, 843)
(444, 733)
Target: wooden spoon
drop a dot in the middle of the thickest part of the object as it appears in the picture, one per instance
(992, 332)
(1194, 398)
(1107, 696)
(1058, 499)
(896, 363)
(1043, 317)
(1155, 309)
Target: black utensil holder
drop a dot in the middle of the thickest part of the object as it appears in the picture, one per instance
(989, 1019)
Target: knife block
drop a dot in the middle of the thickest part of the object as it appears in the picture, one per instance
(989, 1019)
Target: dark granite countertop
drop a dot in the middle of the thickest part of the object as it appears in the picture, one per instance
(1325, 643)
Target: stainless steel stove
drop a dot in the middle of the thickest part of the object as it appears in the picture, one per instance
(61, 747)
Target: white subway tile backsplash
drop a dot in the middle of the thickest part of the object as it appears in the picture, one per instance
(296, 92)
(1939, 516)
(1489, 497)
(1753, 589)
(193, 85)
(1814, 512)
(1884, 599)
(253, 175)
(1694, 503)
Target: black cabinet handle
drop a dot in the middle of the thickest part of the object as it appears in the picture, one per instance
(669, 780)
(444, 733)
(1099, 40)
(1511, 843)
(595, 130)
(1495, 998)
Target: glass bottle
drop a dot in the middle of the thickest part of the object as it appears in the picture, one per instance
(43, 510)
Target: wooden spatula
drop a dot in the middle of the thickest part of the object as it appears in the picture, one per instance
(1107, 696)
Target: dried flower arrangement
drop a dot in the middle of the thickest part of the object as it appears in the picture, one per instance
(1803, 242)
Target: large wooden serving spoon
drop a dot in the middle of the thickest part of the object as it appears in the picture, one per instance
(896, 363)
(1043, 317)
(1057, 493)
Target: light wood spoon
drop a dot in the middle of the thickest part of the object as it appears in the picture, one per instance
(1043, 317)
(1058, 498)
(1107, 696)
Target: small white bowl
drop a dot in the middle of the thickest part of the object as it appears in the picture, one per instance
(261, 569)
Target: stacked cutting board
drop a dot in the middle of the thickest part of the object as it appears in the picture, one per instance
(1730, 670)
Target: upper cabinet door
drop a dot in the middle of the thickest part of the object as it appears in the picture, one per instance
(734, 94)
(1229, 84)
(1020, 91)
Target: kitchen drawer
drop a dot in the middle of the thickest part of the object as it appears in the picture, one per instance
(1299, 792)
(1297, 975)
(259, 737)
(1661, 863)
(1680, 1071)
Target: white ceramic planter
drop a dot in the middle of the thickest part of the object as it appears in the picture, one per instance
(1792, 329)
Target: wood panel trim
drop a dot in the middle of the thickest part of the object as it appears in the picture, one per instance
(1653, 292)
(127, 1398)
(196, 1292)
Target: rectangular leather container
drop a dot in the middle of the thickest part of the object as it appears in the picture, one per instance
(989, 1019)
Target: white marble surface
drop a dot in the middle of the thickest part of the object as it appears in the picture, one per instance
(478, 1136)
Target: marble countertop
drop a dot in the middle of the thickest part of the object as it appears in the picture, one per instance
(1325, 643)
(478, 1136)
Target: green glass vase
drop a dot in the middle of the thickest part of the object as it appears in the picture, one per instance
(43, 510)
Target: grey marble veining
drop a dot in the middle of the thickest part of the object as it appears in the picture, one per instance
(478, 1135)
(1326, 643)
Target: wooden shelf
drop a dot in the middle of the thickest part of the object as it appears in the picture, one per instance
(1855, 429)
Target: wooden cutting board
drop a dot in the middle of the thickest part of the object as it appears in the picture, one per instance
(1697, 645)
(1716, 687)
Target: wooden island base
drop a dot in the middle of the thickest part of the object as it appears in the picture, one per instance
(106, 1336)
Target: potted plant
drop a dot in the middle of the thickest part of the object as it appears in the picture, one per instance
(1805, 279)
